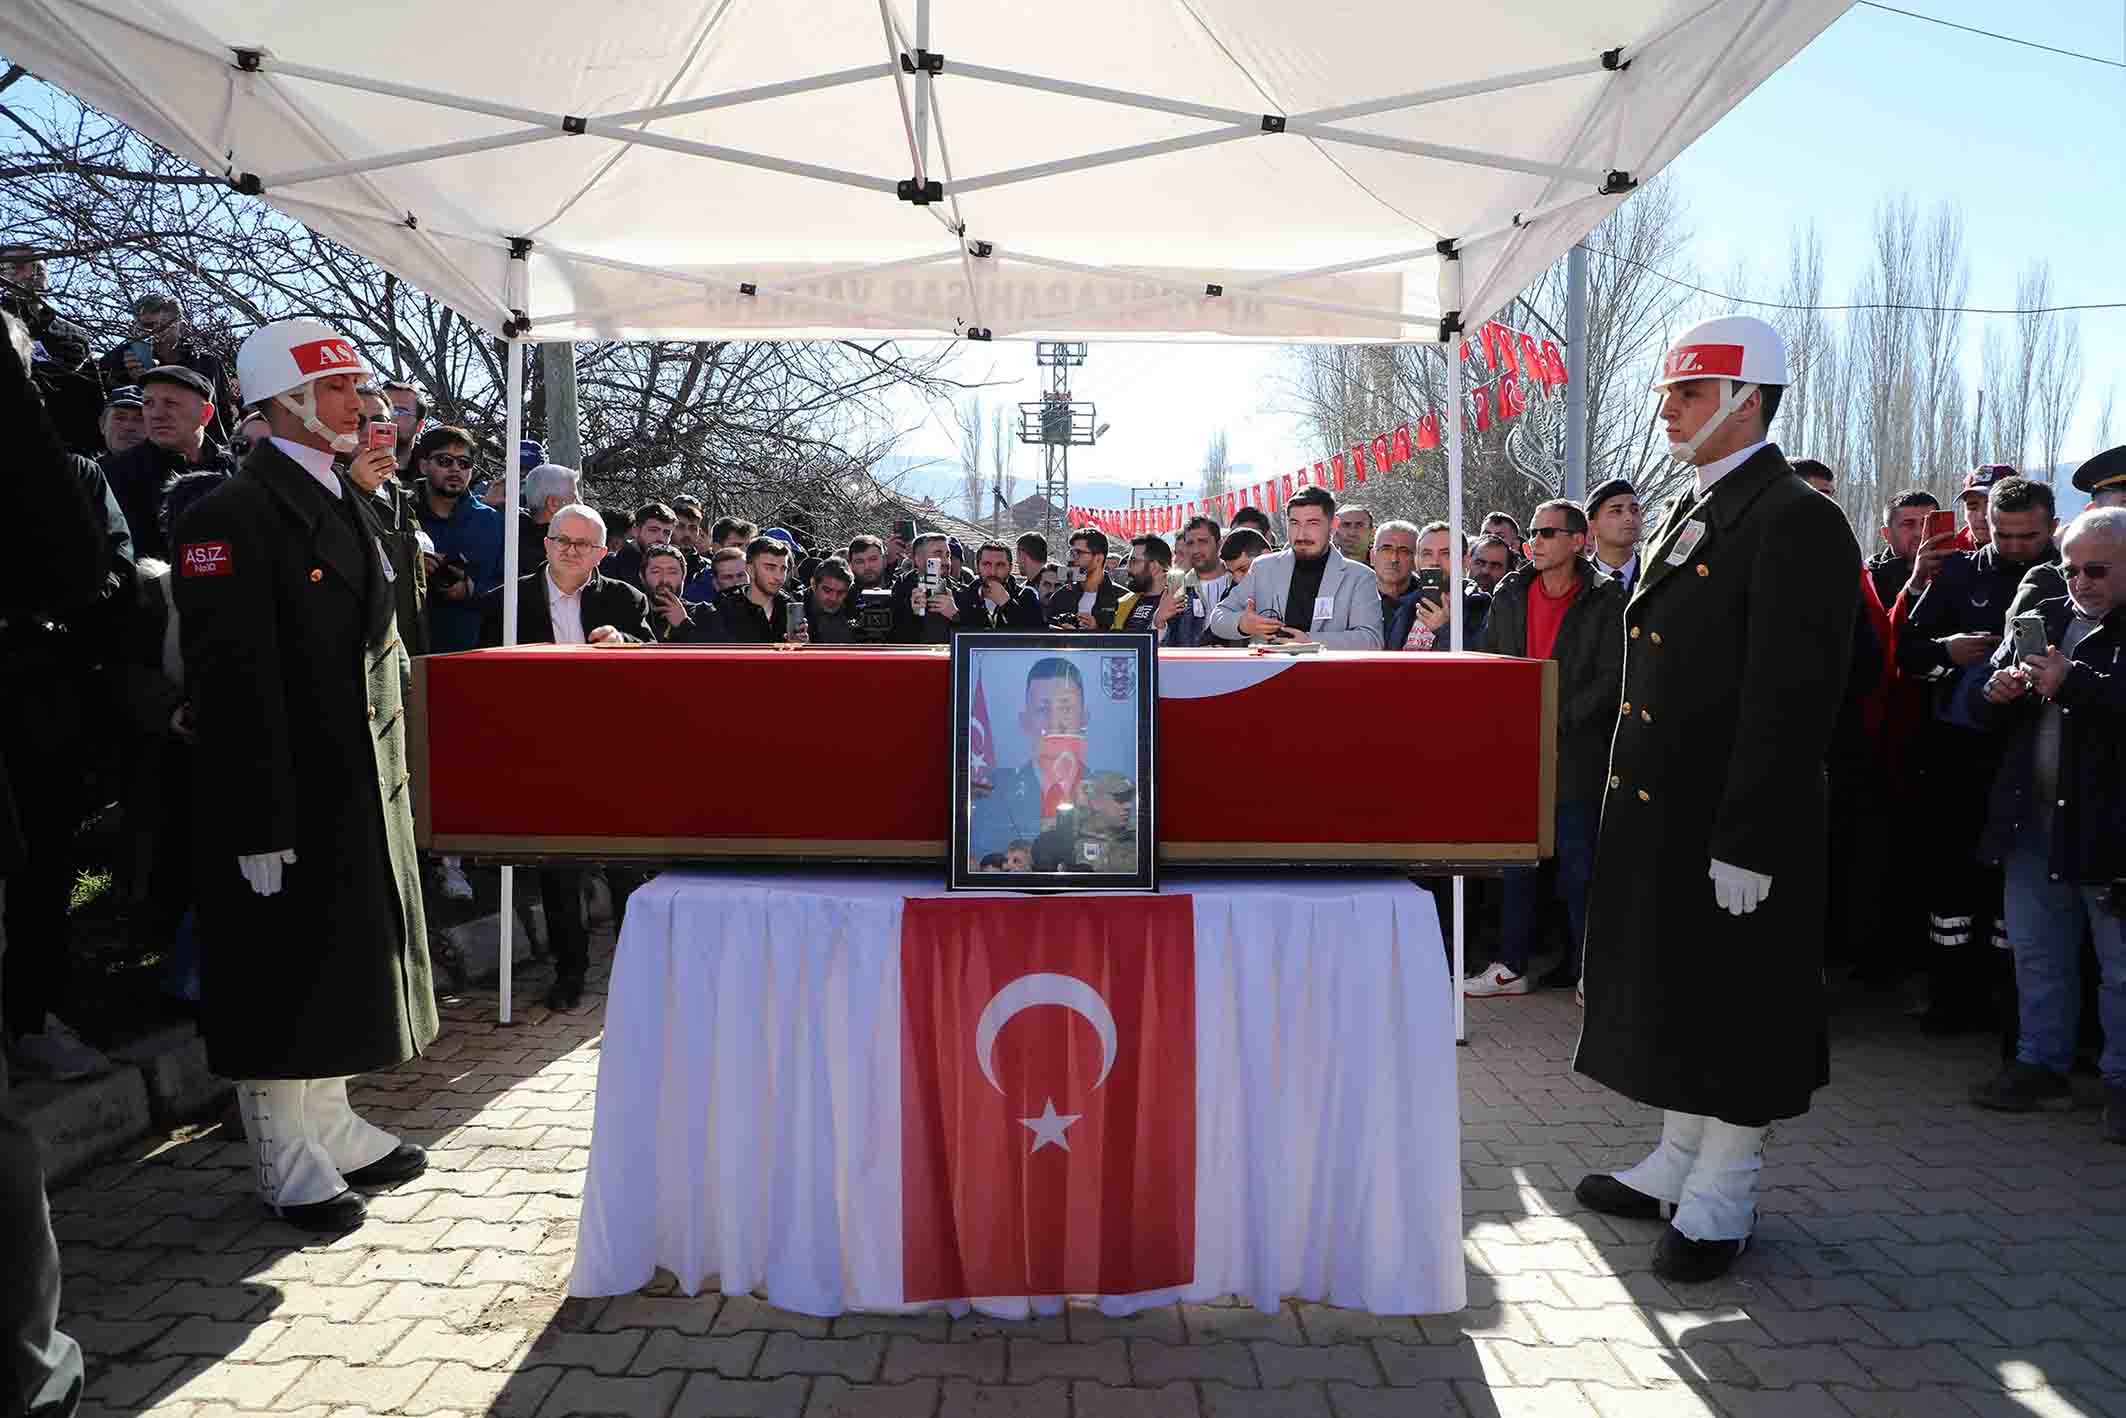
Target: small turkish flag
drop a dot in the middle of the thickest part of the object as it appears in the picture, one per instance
(981, 762)
(1048, 1097)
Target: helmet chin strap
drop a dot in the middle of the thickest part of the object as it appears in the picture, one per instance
(305, 408)
(1687, 451)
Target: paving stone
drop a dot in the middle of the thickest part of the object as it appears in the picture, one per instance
(600, 1353)
(1925, 1326)
(1303, 1401)
(1328, 1324)
(743, 1312)
(2035, 1325)
(460, 1388)
(1917, 1365)
(341, 1304)
(1156, 1363)
(708, 1396)
(1283, 1365)
(854, 1359)
(1550, 1401)
(1102, 1361)
(582, 1392)
(963, 1399)
(934, 1327)
(1207, 1324)
(1086, 1325)
(313, 1338)
(838, 1398)
(1430, 1400)
(1674, 1402)
(128, 1386)
(1801, 1401)
(1620, 1324)
(1787, 1365)
(981, 1360)
(434, 1340)
(375, 1387)
(253, 1386)
(1533, 1365)
(1091, 1400)
(732, 1356)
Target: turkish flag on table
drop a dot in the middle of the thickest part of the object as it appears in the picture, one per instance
(1048, 1096)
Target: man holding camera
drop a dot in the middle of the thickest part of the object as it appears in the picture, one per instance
(926, 608)
(466, 533)
(1559, 605)
(674, 620)
(830, 614)
(759, 613)
(2056, 821)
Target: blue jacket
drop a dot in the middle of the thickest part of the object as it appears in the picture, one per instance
(474, 532)
(1476, 610)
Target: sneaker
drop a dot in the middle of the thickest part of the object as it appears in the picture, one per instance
(1560, 979)
(455, 886)
(1496, 980)
(2022, 1088)
(57, 1054)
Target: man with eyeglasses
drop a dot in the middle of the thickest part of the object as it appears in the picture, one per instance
(408, 407)
(466, 533)
(161, 337)
(1952, 619)
(568, 602)
(1561, 606)
(2104, 479)
(2056, 821)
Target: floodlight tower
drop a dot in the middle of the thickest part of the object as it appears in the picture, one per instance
(1058, 423)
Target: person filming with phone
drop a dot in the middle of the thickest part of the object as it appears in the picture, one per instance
(1951, 616)
(1421, 622)
(1309, 592)
(1089, 597)
(467, 533)
(758, 613)
(2056, 817)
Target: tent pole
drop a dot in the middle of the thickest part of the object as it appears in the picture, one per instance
(922, 89)
(1469, 157)
(1492, 85)
(1576, 365)
(513, 466)
(1453, 413)
(272, 181)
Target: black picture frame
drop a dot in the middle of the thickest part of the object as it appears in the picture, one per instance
(1116, 676)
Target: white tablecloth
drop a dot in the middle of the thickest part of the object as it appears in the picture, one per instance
(749, 1091)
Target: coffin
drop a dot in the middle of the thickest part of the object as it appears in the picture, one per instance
(656, 753)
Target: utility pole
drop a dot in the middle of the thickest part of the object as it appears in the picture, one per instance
(1058, 423)
(564, 440)
(1576, 373)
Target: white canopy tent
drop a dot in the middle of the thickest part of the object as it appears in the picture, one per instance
(1338, 170)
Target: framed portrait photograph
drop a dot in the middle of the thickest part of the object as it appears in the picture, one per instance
(1053, 747)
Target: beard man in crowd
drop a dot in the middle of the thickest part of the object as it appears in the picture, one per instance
(654, 522)
(674, 619)
(997, 600)
(1951, 615)
(1206, 585)
(1704, 952)
(2057, 819)
(296, 671)
(1904, 525)
(829, 613)
(1090, 600)
(867, 562)
(1489, 561)
(1308, 592)
(466, 533)
(1150, 605)
(1562, 605)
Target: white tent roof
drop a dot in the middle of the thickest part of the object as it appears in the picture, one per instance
(703, 168)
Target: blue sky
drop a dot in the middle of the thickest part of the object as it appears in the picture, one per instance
(2027, 142)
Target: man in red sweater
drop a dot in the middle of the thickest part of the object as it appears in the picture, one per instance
(1559, 606)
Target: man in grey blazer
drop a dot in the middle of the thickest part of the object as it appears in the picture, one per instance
(1308, 591)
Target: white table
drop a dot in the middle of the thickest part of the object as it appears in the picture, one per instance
(750, 1081)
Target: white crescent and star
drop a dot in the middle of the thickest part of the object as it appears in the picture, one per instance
(1068, 992)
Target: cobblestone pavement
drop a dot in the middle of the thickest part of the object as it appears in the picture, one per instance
(1916, 1257)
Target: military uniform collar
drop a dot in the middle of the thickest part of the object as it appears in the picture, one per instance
(1712, 472)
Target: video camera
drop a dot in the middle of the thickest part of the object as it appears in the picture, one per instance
(873, 624)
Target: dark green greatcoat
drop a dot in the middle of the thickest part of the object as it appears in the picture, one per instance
(1735, 661)
(298, 675)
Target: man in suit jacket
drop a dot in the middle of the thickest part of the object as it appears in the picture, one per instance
(567, 602)
(1308, 591)
(1705, 983)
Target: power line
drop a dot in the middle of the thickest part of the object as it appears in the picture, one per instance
(1877, 305)
(1991, 34)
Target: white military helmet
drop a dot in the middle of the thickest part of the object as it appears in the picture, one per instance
(1740, 349)
(282, 360)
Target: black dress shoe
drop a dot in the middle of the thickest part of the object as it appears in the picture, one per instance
(1677, 1257)
(1559, 979)
(565, 994)
(1611, 1197)
(332, 1217)
(402, 1164)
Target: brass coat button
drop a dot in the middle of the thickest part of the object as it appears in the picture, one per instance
(1647, 715)
(1635, 632)
(1644, 796)
(1615, 781)
(372, 711)
(316, 575)
(1626, 710)
(1657, 637)
(1704, 570)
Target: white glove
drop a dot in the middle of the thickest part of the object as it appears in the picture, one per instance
(263, 871)
(1738, 890)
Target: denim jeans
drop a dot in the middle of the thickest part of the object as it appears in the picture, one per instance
(1528, 891)
(2045, 922)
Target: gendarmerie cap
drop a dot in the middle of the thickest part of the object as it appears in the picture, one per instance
(1615, 487)
(2106, 470)
(178, 374)
(126, 396)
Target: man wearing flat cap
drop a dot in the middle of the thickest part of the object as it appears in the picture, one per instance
(2104, 479)
(1613, 532)
(177, 407)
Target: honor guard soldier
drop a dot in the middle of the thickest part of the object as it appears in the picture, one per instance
(1705, 921)
(313, 952)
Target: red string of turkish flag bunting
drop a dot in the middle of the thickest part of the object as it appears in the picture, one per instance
(1512, 355)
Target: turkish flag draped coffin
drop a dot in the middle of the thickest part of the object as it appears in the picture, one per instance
(1471, 731)
(1048, 1097)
